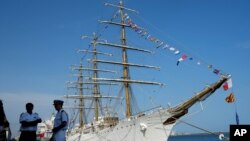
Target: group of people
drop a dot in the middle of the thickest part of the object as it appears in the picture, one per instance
(29, 121)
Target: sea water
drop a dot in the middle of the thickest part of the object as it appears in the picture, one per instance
(197, 137)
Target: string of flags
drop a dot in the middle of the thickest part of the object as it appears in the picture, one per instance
(231, 98)
(237, 118)
(159, 43)
(112, 19)
(227, 85)
(182, 56)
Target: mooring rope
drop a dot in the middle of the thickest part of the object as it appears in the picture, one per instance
(205, 130)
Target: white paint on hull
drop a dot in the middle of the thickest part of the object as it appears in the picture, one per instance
(146, 128)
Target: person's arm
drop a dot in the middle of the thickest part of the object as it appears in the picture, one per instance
(30, 123)
(63, 124)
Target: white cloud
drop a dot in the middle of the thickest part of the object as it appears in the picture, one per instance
(244, 45)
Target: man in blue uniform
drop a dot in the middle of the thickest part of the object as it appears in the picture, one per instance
(60, 122)
(29, 121)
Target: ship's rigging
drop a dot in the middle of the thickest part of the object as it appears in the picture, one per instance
(103, 122)
(97, 81)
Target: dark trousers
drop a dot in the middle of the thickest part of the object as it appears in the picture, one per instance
(3, 136)
(28, 136)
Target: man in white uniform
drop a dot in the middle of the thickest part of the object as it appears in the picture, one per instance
(29, 121)
(60, 122)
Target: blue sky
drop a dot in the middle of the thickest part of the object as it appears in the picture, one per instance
(39, 40)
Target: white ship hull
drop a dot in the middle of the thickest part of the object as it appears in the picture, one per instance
(146, 128)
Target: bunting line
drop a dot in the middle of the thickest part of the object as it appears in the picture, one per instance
(182, 57)
(161, 44)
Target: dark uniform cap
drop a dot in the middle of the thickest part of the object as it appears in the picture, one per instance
(58, 102)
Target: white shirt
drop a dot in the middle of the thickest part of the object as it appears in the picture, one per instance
(29, 117)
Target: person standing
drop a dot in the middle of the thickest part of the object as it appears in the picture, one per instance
(4, 124)
(29, 121)
(60, 122)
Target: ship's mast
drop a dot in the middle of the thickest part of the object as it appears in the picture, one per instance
(96, 90)
(125, 79)
(125, 67)
(81, 104)
(79, 85)
(81, 81)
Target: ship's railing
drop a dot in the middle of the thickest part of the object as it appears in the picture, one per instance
(148, 111)
(144, 113)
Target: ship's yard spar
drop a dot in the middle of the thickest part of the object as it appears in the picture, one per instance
(95, 81)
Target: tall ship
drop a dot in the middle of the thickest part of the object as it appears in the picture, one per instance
(105, 104)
